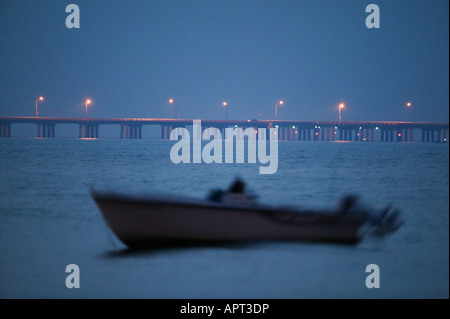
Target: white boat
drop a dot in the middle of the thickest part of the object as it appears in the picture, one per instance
(146, 221)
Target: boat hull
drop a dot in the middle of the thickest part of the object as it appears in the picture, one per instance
(154, 222)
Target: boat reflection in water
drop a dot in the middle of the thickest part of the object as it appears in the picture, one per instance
(234, 216)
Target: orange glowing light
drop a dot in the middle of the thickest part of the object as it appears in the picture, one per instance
(171, 101)
(317, 133)
(399, 134)
(41, 98)
(88, 101)
(408, 104)
(281, 102)
(341, 105)
(296, 132)
(224, 103)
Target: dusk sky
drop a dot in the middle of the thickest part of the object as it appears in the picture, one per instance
(130, 57)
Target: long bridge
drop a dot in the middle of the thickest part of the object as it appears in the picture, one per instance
(131, 128)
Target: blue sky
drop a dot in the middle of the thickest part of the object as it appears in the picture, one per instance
(130, 57)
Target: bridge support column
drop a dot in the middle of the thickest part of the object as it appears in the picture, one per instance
(7, 130)
(168, 129)
(96, 131)
(444, 133)
(140, 132)
(340, 134)
(38, 130)
(316, 135)
(411, 135)
(432, 135)
(53, 131)
(438, 136)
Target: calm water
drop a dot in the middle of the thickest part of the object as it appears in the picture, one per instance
(48, 220)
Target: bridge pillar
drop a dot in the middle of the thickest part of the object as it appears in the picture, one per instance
(96, 131)
(80, 131)
(44, 131)
(405, 135)
(53, 131)
(382, 135)
(340, 134)
(411, 135)
(316, 134)
(7, 130)
(433, 135)
(438, 135)
(140, 132)
(127, 133)
(168, 129)
(38, 130)
(444, 133)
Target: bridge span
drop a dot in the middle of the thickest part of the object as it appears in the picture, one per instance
(131, 128)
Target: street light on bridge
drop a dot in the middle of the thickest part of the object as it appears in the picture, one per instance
(225, 105)
(341, 106)
(88, 101)
(41, 98)
(410, 105)
(171, 101)
(281, 102)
